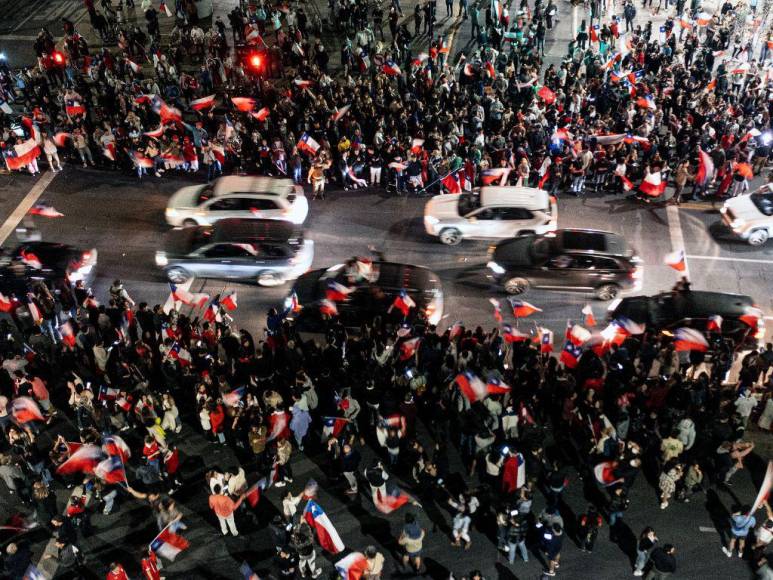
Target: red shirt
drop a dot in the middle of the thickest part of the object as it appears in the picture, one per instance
(150, 567)
(118, 574)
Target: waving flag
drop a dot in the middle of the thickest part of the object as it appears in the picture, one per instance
(179, 353)
(471, 386)
(497, 309)
(627, 183)
(686, 339)
(653, 185)
(570, 356)
(334, 425)
(546, 95)
(60, 139)
(646, 102)
(703, 19)
(496, 387)
(111, 470)
(203, 103)
(522, 309)
(83, 460)
(169, 544)
(164, 111)
(451, 183)
(45, 210)
(454, 331)
(233, 398)
(604, 473)
(166, 10)
(279, 422)
(512, 334)
(339, 113)
(308, 144)
(705, 167)
(393, 500)
(24, 409)
(408, 348)
(140, 160)
(337, 292)
(676, 260)
(327, 535)
(212, 313)
(764, 493)
(391, 69)
(302, 84)
(590, 320)
(107, 393)
(496, 174)
(545, 340)
(6, 304)
(23, 154)
(155, 133)
(244, 104)
(261, 115)
(74, 108)
(404, 303)
(594, 33)
(252, 495)
(751, 316)
(352, 566)
(114, 445)
(628, 327)
(328, 308)
(714, 323)
(513, 473)
(229, 302)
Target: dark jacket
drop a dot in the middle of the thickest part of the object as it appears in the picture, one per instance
(663, 561)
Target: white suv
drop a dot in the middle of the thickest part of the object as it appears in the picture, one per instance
(238, 197)
(750, 216)
(493, 214)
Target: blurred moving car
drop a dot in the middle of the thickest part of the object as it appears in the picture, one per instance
(750, 216)
(269, 252)
(238, 197)
(568, 260)
(671, 310)
(369, 298)
(52, 261)
(493, 214)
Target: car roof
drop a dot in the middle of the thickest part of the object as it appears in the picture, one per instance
(253, 184)
(592, 242)
(526, 197)
(702, 304)
(251, 230)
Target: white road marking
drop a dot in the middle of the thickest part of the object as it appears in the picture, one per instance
(677, 237)
(575, 17)
(724, 259)
(24, 206)
(706, 529)
(18, 37)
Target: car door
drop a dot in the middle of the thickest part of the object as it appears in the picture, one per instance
(565, 271)
(513, 220)
(220, 208)
(226, 260)
(604, 271)
(260, 208)
(482, 223)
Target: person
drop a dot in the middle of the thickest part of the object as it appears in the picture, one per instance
(516, 537)
(17, 560)
(375, 561)
(224, 508)
(412, 539)
(68, 558)
(116, 571)
(645, 544)
(551, 541)
(303, 544)
(669, 478)
(590, 523)
(663, 563)
(317, 178)
(350, 461)
(741, 522)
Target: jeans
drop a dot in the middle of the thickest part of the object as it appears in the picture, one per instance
(109, 500)
(614, 517)
(351, 480)
(213, 169)
(521, 548)
(641, 559)
(297, 174)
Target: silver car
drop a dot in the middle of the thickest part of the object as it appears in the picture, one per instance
(269, 252)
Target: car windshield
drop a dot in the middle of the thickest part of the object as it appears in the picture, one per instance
(539, 250)
(200, 237)
(468, 202)
(207, 192)
(764, 202)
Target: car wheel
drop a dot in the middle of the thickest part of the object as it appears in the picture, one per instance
(607, 292)
(188, 223)
(516, 285)
(450, 236)
(758, 237)
(270, 279)
(178, 275)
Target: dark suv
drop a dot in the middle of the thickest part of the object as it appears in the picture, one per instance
(569, 260)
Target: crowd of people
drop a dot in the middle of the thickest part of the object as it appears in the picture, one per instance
(688, 104)
(622, 107)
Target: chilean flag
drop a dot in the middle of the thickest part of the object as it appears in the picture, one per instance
(646, 102)
(337, 292)
(705, 167)
(714, 324)
(23, 154)
(686, 339)
(328, 308)
(497, 309)
(229, 302)
(352, 566)
(393, 500)
(203, 103)
(244, 104)
(627, 183)
(212, 313)
(546, 340)
(522, 309)
(676, 260)
(169, 544)
(471, 386)
(408, 348)
(570, 356)
(6, 304)
(499, 174)
(279, 422)
(232, 399)
(68, 336)
(327, 535)
(628, 326)
(109, 151)
(252, 495)
(391, 69)
(577, 335)
(308, 144)
(340, 113)
(590, 320)
(302, 83)
(546, 95)
(83, 460)
(653, 185)
(115, 446)
(335, 424)
(155, 133)
(74, 108)
(751, 316)
(181, 355)
(496, 387)
(24, 409)
(60, 139)
(604, 473)
(513, 473)
(140, 160)
(512, 334)
(452, 183)
(404, 303)
(111, 470)
(261, 115)
(107, 393)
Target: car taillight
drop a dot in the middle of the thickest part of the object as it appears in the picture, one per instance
(635, 274)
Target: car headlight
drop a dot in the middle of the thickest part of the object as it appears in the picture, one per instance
(738, 224)
(431, 220)
(171, 212)
(496, 268)
(161, 259)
